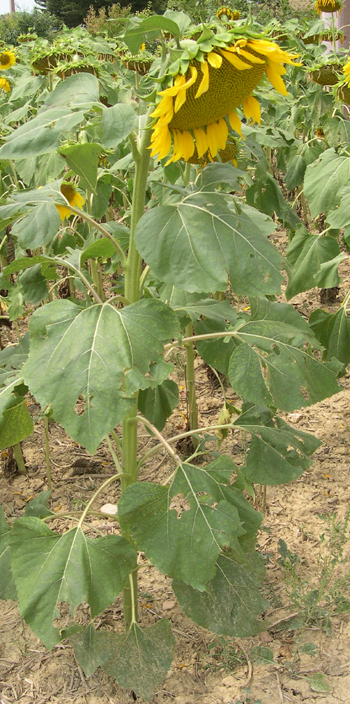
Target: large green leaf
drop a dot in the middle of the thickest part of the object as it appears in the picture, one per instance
(148, 29)
(38, 227)
(196, 242)
(158, 403)
(296, 171)
(81, 89)
(83, 159)
(42, 134)
(323, 181)
(117, 123)
(306, 253)
(333, 332)
(295, 377)
(277, 453)
(140, 658)
(49, 568)
(97, 356)
(7, 585)
(183, 527)
(232, 601)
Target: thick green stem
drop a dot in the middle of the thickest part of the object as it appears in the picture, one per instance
(141, 155)
(190, 381)
(47, 453)
(17, 451)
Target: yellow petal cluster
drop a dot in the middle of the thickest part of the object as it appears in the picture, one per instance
(346, 70)
(194, 113)
(7, 59)
(328, 6)
(73, 197)
(4, 84)
(227, 12)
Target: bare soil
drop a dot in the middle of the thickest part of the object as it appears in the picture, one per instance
(207, 669)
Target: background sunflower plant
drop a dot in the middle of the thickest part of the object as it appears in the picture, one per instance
(128, 201)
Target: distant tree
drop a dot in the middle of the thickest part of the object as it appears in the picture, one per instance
(73, 12)
(13, 25)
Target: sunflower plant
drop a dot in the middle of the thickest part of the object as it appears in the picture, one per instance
(137, 201)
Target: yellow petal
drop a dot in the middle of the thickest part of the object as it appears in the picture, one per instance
(63, 211)
(166, 118)
(222, 132)
(180, 86)
(180, 100)
(214, 59)
(251, 109)
(163, 107)
(78, 200)
(235, 122)
(235, 61)
(187, 143)
(250, 57)
(204, 84)
(201, 141)
(162, 144)
(212, 136)
(276, 80)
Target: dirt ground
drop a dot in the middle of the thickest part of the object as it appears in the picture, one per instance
(304, 655)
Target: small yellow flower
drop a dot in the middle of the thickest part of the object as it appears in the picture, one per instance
(7, 59)
(4, 84)
(142, 47)
(73, 197)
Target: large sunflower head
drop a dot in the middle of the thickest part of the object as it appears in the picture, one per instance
(7, 59)
(73, 197)
(328, 6)
(210, 79)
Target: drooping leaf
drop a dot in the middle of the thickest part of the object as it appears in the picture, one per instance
(158, 403)
(42, 134)
(324, 180)
(265, 195)
(80, 89)
(100, 248)
(217, 173)
(277, 453)
(193, 245)
(49, 568)
(333, 332)
(149, 28)
(38, 227)
(7, 585)
(306, 253)
(33, 285)
(296, 171)
(232, 600)
(16, 424)
(183, 527)
(38, 507)
(140, 658)
(340, 217)
(216, 351)
(83, 159)
(328, 275)
(117, 123)
(86, 646)
(296, 377)
(103, 354)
